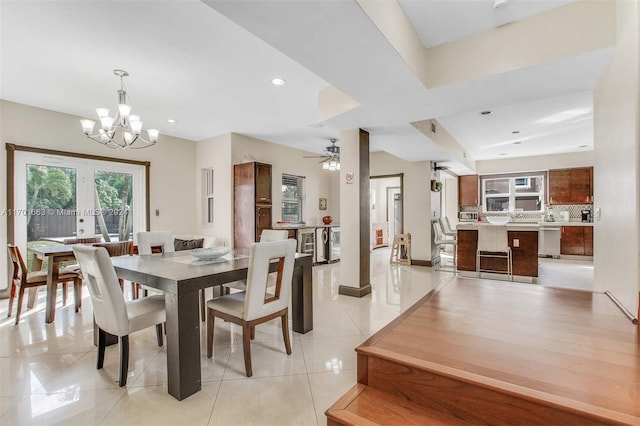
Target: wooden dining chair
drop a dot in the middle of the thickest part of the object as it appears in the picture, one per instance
(85, 240)
(119, 248)
(257, 305)
(22, 279)
(112, 314)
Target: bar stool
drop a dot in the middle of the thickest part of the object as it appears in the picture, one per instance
(401, 249)
(493, 242)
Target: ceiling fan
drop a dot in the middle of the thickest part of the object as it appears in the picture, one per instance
(331, 157)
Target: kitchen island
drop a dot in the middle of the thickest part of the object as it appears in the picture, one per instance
(523, 240)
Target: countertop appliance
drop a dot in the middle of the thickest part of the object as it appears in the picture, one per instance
(586, 215)
(468, 216)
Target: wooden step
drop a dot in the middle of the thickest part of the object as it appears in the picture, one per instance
(467, 398)
(484, 352)
(363, 405)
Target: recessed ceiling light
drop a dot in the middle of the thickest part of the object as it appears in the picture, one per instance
(517, 142)
(515, 132)
(485, 112)
(583, 146)
(503, 153)
(172, 121)
(278, 81)
(316, 125)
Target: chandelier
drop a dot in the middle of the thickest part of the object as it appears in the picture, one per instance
(130, 125)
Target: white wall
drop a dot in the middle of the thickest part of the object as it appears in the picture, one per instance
(223, 151)
(289, 161)
(616, 181)
(172, 180)
(215, 153)
(450, 198)
(417, 198)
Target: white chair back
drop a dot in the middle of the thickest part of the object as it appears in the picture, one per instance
(493, 238)
(257, 302)
(438, 232)
(98, 272)
(269, 235)
(149, 239)
(446, 226)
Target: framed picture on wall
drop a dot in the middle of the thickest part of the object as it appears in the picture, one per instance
(322, 205)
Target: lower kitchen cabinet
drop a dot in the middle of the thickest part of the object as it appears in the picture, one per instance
(576, 240)
(525, 255)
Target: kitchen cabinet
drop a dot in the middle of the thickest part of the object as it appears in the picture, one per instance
(576, 240)
(468, 190)
(571, 186)
(252, 202)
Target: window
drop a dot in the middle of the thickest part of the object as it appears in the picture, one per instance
(292, 198)
(513, 193)
(207, 196)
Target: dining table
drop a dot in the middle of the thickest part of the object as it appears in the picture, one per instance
(180, 276)
(54, 255)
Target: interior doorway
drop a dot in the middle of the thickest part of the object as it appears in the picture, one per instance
(387, 212)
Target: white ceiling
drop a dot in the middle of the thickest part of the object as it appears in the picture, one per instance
(209, 65)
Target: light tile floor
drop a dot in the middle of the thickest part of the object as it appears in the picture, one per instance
(48, 374)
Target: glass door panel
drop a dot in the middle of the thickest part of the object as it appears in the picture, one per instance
(114, 205)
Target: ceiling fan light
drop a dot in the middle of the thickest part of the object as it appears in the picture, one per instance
(332, 165)
(338, 166)
(325, 166)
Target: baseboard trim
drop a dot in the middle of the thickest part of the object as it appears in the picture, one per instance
(345, 290)
(419, 262)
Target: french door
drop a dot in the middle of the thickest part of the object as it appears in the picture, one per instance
(59, 197)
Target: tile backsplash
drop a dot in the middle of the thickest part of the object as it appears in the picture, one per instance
(575, 212)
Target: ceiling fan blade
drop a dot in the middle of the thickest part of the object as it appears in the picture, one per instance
(314, 156)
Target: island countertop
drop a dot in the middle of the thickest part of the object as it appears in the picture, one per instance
(511, 226)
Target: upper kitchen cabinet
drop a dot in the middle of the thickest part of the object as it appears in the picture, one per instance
(252, 202)
(468, 190)
(571, 186)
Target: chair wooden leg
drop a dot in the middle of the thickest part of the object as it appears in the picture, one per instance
(253, 333)
(77, 293)
(124, 360)
(12, 295)
(102, 344)
(285, 331)
(65, 289)
(210, 320)
(19, 307)
(246, 348)
(159, 334)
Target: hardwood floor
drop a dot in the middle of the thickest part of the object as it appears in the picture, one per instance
(492, 352)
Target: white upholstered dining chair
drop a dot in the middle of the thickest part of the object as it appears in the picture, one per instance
(256, 305)
(266, 236)
(112, 314)
(149, 239)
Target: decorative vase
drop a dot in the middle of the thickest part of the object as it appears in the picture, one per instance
(327, 220)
